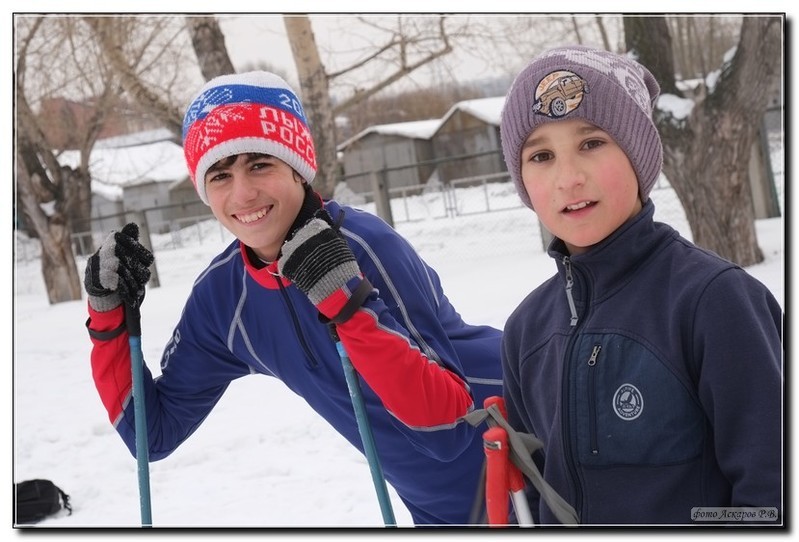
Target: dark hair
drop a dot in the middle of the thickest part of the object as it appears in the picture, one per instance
(229, 160)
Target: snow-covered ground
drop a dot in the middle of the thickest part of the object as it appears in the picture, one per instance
(262, 458)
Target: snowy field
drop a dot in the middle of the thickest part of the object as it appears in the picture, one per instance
(262, 458)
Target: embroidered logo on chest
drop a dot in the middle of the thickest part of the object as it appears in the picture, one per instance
(628, 403)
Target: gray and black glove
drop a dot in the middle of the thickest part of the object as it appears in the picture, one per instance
(319, 262)
(118, 271)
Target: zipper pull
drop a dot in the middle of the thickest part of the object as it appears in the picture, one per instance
(594, 355)
(569, 284)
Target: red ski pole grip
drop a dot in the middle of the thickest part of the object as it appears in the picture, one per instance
(515, 476)
(496, 400)
(495, 444)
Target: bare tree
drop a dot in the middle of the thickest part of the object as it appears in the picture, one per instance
(52, 196)
(576, 29)
(408, 45)
(100, 62)
(209, 45)
(316, 100)
(700, 41)
(147, 56)
(603, 32)
(707, 154)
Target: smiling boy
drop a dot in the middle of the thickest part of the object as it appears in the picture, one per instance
(266, 305)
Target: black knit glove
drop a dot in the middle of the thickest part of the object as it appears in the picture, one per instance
(317, 259)
(118, 271)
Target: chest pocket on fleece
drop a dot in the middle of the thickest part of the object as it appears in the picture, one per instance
(628, 408)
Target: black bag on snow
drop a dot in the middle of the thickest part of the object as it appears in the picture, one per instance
(37, 499)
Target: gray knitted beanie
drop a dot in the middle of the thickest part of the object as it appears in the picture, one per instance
(611, 91)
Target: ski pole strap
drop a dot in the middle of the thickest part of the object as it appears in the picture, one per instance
(522, 446)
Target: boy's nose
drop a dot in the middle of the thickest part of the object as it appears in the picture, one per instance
(242, 186)
(570, 175)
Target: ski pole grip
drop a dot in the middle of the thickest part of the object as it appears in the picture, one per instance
(515, 476)
(495, 444)
(133, 320)
(499, 401)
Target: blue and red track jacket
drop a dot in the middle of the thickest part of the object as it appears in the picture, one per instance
(422, 367)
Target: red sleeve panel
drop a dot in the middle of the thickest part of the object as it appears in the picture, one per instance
(110, 359)
(418, 391)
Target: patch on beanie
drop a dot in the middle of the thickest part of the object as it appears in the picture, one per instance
(559, 93)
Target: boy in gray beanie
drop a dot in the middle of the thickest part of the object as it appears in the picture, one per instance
(647, 416)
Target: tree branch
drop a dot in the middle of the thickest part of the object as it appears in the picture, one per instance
(112, 49)
(404, 70)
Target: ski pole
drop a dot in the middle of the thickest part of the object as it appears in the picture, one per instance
(495, 443)
(366, 436)
(515, 477)
(516, 487)
(133, 325)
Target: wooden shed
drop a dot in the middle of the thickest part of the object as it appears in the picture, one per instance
(141, 168)
(395, 150)
(470, 127)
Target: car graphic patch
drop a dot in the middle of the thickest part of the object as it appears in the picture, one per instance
(559, 93)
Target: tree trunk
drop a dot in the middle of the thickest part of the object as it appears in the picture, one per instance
(604, 33)
(78, 205)
(39, 179)
(650, 41)
(209, 45)
(576, 28)
(58, 263)
(706, 155)
(315, 99)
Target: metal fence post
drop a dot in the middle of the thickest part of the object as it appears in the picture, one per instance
(382, 197)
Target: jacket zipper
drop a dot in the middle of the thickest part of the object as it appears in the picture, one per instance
(569, 284)
(592, 398)
(567, 441)
(297, 328)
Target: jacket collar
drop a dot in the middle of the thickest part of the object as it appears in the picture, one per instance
(265, 275)
(614, 261)
(268, 275)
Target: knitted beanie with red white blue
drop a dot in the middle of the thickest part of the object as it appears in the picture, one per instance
(253, 112)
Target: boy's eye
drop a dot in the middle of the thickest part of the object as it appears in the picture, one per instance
(541, 156)
(216, 177)
(262, 163)
(593, 143)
